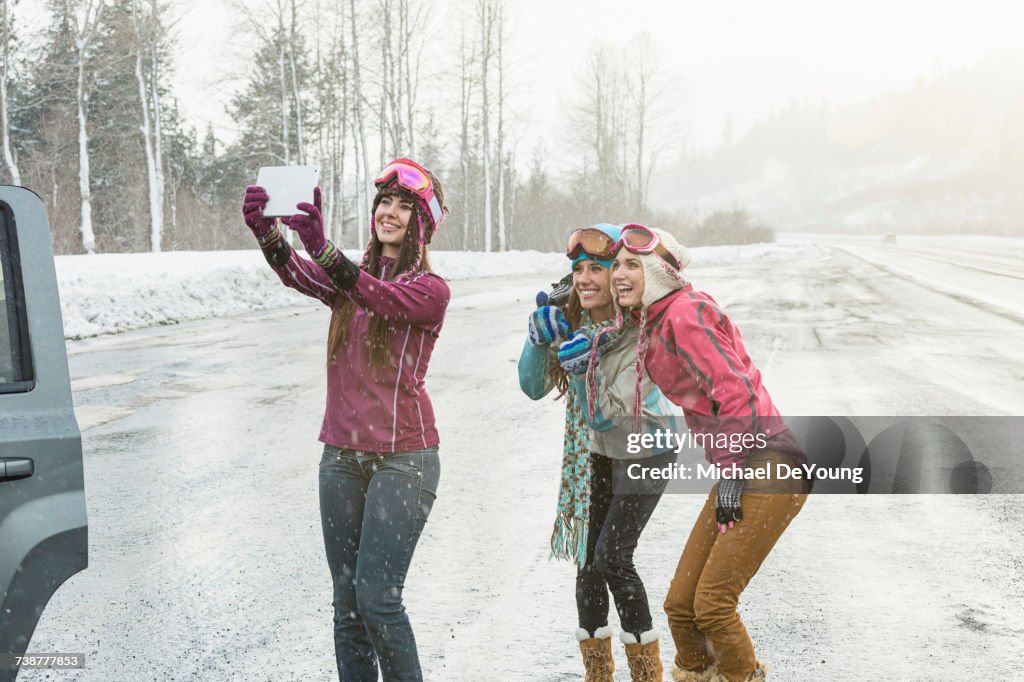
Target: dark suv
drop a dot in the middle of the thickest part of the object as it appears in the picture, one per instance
(43, 531)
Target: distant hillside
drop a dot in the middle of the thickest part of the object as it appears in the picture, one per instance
(944, 155)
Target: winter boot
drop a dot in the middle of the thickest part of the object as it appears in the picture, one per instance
(759, 674)
(644, 657)
(597, 654)
(706, 675)
(760, 671)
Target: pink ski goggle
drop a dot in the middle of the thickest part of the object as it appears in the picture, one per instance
(412, 177)
(642, 240)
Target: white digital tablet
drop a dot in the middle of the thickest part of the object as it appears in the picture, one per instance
(287, 186)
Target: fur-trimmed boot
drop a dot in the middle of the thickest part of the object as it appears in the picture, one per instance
(597, 654)
(706, 675)
(644, 657)
(760, 671)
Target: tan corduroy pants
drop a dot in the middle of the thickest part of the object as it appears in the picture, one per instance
(714, 569)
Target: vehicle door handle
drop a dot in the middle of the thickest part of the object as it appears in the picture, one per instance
(13, 468)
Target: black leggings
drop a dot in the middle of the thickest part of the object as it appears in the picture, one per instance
(616, 522)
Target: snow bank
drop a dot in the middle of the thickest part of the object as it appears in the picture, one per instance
(111, 293)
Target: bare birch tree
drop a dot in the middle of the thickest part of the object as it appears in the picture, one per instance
(486, 16)
(341, 131)
(646, 90)
(391, 134)
(400, 51)
(597, 124)
(149, 36)
(282, 84)
(88, 19)
(331, 77)
(499, 151)
(359, 130)
(466, 58)
(5, 77)
(410, 60)
(296, 90)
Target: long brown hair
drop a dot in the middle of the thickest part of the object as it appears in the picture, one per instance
(377, 340)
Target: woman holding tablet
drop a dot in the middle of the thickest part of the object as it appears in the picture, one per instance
(380, 469)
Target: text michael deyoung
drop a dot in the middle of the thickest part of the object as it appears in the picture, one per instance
(776, 472)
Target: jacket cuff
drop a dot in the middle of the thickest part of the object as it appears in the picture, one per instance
(275, 249)
(343, 272)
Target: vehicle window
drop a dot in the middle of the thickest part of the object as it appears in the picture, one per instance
(6, 376)
(6, 357)
(12, 361)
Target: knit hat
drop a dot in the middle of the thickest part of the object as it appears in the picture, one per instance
(660, 278)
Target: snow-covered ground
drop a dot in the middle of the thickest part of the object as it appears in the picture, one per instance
(206, 560)
(110, 293)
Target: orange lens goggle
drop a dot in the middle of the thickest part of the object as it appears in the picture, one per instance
(590, 241)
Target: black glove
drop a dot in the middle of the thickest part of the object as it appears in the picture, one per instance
(559, 295)
(727, 503)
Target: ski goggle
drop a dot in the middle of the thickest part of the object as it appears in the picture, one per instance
(590, 241)
(642, 240)
(412, 177)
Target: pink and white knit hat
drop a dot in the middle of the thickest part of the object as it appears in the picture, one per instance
(660, 278)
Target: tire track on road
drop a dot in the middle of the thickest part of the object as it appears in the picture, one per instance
(937, 287)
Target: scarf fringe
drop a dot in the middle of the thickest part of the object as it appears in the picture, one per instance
(569, 539)
(569, 536)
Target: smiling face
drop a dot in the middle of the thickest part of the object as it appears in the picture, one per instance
(593, 286)
(391, 221)
(628, 279)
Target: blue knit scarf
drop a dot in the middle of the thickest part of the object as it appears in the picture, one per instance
(569, 537)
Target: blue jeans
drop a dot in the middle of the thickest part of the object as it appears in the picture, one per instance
(373, 508)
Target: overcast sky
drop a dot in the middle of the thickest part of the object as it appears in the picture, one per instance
(737, 60)
(729, 59)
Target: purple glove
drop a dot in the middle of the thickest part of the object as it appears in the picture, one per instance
(252, 211)
(310, 225)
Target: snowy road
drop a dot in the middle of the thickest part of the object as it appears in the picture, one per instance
(205, 551)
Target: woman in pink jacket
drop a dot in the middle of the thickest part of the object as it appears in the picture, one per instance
(694, 353)
(380, 469)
